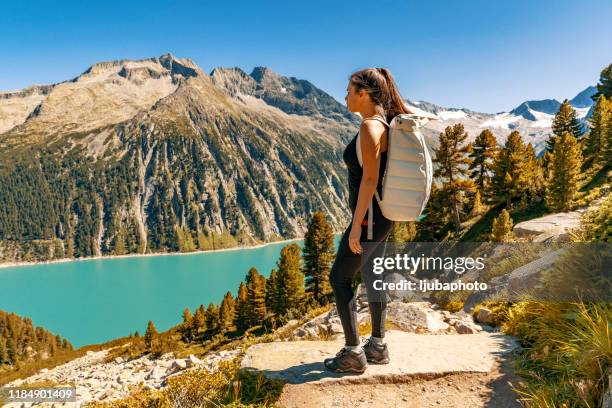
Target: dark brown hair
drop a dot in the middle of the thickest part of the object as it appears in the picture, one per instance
(380, 85)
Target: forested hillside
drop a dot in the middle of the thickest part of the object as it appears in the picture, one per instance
(153, 156)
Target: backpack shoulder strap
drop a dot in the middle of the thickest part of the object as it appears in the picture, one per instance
(370, 207)
(378, 118)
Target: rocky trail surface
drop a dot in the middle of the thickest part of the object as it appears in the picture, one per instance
(438, 358)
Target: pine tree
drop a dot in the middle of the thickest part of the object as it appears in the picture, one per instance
(597, 148)
(272, 292)
(434, 226)
(3, 351)
(452, 160)
(241, 319)
(187, 316)
(534, 174)
(256, 287)
(11, 349)
(565, 171)
(477, 207)
(502, 227)
(226, 313)
(510, 172)
(212, 318)
(318, 254)
(150, 335)
(565, 121)
(483, 152)
(290, 278)
(604, 87)
(198, 323)
(137, 334)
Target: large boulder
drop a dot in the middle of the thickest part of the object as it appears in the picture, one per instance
(416, 316)
(550, 225)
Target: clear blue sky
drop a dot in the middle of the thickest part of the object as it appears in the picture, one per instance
(483, 55)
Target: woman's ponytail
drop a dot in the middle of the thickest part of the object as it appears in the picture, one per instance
(395, 102)
(380, 85)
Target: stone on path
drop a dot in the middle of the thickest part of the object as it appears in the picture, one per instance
(412, 355)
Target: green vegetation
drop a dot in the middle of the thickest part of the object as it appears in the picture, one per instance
(451, 158)
(318, 255)
(564, 174)
(565, 122)
(21, 343)
(502, 227)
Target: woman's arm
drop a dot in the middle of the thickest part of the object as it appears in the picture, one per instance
(371, 132)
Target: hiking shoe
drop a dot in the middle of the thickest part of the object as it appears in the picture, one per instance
(376, 353)
(347, 360)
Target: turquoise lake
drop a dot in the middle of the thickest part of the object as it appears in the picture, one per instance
(92, 301)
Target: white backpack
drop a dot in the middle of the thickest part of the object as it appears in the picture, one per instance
(406, 183)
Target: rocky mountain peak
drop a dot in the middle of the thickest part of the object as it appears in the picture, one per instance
(261, 74)
(583, 99)
(548, 106)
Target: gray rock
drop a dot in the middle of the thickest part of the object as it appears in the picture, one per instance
(484, 315)
(464, 327)
(179, 364)
(559, 223)
(192, 361)
(416, 315)
(156, 373)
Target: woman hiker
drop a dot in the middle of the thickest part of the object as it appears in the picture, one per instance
(373, 94)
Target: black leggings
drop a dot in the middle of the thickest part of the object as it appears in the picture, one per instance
(346, 264)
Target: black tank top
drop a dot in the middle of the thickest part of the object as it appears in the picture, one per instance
(355, 173)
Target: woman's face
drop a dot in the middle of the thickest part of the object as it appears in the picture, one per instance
(354, 100)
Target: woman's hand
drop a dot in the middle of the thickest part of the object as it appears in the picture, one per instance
(354, 238)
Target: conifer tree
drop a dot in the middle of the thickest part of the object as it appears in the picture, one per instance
(137, 334)
(198, 322)
(434, 225)
(564, 174)
(502, 227)
(272, 292)
(604, 87)
(452, 159)
(318, 254)
(242, 315)
(534, 174)
(256, 287)
(482, 155)
(150, 335)
(290, 278)
(510, 171)
(212, 318)
(226, 312)
(11, 349)
(597, 148)
(477, 206)
(565, 121)
(187, 316)
(3, 351)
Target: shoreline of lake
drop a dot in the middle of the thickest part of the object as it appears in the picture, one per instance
(89, 258)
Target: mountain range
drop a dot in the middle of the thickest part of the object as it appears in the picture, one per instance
(532, 118)
(156, 155)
